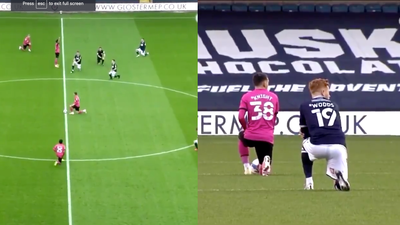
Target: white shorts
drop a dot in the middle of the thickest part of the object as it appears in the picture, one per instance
(140, 51)
(335, 155)
(77, 65)
(112, 73)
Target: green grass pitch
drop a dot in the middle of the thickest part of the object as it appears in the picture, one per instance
(226, 196)
(147, 120)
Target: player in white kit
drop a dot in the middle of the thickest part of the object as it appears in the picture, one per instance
(323, 137)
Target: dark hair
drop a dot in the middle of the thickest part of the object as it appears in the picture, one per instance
(56, 40)
(60, 141)
(258, 78)
(75, 93)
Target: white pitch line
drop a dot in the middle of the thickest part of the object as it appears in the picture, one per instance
(100, 80)
(101, 160)
(66, 125)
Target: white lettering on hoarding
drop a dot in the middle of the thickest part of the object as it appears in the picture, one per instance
(307, 44)
(287, 123)
(358, 87)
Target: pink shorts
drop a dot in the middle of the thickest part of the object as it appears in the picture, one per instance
(60, 155)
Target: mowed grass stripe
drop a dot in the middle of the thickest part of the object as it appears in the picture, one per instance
(172, 56)
(30, 192)
(122, 120)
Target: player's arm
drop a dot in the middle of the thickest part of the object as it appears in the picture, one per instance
(303, 124)
(277, 106)
(242, 113)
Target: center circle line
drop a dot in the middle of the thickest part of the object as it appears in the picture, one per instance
(104, 159)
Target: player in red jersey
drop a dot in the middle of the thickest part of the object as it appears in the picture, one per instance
(76, 106)
(26, 43)
(59, 149)
(57, 51)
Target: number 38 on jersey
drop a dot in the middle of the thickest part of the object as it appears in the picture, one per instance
(263, 110)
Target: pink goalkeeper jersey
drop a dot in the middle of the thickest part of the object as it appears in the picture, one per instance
(261, 106)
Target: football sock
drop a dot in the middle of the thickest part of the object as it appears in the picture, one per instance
(243, 152)
(56, 61)
(73, 68)
(269, 153)
(307, 165)
(60, 160)
(102, 62)
(110, 76)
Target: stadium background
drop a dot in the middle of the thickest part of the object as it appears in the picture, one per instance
(369, 111)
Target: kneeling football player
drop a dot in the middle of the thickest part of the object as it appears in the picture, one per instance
(113, 71)
(141, 50)
(77, 62)
(101, 55)
(59, 149)
(196, 145)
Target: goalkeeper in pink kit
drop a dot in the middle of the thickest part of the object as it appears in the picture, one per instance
(262, 107)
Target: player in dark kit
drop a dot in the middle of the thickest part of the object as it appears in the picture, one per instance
(114, 70)
(101, 55)
(77, 61)
(321, 128)
(141, 51)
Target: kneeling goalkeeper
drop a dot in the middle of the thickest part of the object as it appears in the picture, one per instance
(101, 55)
